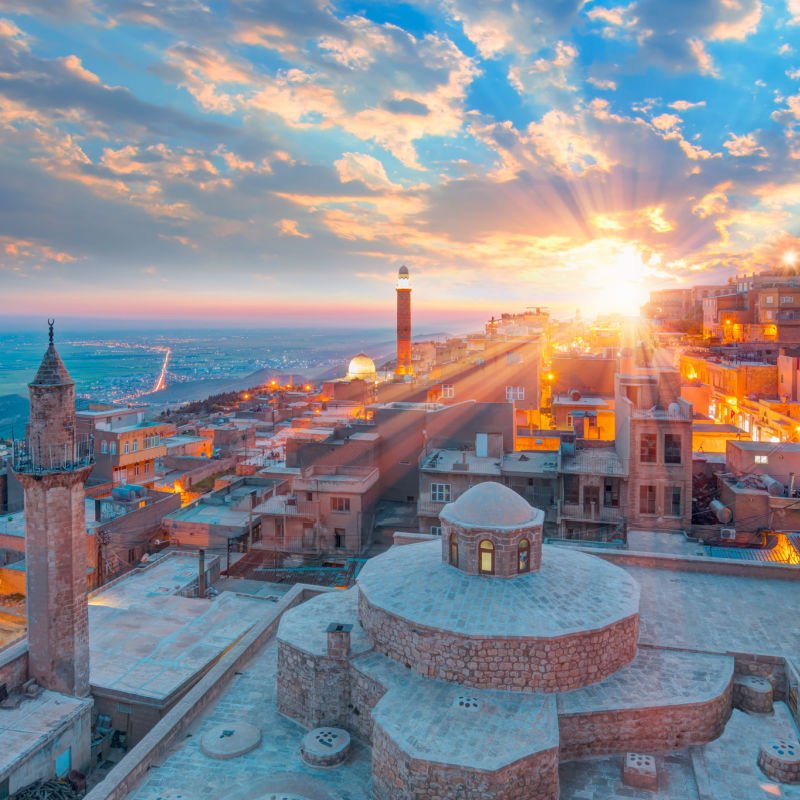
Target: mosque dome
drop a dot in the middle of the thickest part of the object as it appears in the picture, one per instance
(490, 505)
(361, 367)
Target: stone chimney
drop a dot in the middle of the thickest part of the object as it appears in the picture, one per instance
(338, 640)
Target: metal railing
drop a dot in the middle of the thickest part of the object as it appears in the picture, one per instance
(591, 512)
(33, 457)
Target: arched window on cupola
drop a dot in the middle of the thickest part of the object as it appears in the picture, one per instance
(486, 557)
(453, 549)
(524, 556)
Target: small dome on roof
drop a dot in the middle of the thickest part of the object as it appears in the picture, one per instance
(403, 270)
(361, 366)
(491, 505)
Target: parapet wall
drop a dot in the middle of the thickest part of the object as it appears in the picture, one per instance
(397, 776)
(648, 730)
(555, 664)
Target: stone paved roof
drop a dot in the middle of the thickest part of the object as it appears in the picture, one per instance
(306, 631)
(452, 724)
(655, 678)
(52, 371)
(491, 505)
(572, 592)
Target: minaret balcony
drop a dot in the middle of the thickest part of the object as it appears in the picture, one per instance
(31, 458)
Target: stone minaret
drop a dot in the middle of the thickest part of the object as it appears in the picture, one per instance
(403, 324)
(52, 467)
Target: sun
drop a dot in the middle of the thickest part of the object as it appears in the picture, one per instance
(618, 282)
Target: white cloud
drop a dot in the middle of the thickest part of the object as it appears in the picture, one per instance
(745, 145)
(704, 61)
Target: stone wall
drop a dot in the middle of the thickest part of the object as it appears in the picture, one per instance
(506, 548)
(397, 776)
(543, 665)
(313, 690)
(365, 693)
(643, 730)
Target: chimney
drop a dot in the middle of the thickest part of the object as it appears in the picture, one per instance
(338, 640)
(201, 574)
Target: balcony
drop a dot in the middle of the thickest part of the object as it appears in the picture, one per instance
(429, 508)
(591, 513)
(34, 459)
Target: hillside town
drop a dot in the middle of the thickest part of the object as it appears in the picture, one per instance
(340, 558)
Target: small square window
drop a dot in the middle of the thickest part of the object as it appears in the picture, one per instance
(762, 460)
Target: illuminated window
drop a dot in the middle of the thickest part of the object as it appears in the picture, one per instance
(647, 448)
(523, 556)
(515, 393)
(672, 448)
(340, 504)
(453, 549)
(647, 499)
(486, 557)
(762, 460)
(448, 391)
(440, 492)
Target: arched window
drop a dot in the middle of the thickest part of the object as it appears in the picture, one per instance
(523, 556)
(486, 557)
(453, 549)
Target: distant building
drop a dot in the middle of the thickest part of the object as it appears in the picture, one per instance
(404, 367)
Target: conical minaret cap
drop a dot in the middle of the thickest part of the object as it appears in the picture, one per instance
(52, 371)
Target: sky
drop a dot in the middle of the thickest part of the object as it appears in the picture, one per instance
(276, 161)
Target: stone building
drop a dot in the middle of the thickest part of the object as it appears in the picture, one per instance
(474, 663)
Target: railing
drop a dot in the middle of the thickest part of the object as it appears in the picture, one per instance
(429, 508)
(32, 457)
(593, 513)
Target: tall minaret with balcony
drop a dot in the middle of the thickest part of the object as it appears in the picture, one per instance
(403, 367)
(52, 465)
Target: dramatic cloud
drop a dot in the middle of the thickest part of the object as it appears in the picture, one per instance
(501, 148)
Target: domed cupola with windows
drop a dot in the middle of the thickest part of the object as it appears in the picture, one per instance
(491, 530)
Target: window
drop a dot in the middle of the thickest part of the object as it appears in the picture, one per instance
(647, 499)
(787, 299)
(309, 496)
(104, 447)
(647, 448)
(611, 494)
(136, 470)
(340, 504)
(591, 499)
(762, 460)
(453, 549)
(572, 487)
(131, 555)
(151, 441)
(672, 501)
(515, 393)
(523, 556)
(338, 538)
(448, 391)
(672, 448)
(513, 358)
(769, 299)
(436, 530)
(770, 314)
(126, 447)
(486, 557)
(440, 492)
(135, 445)
(113, 448)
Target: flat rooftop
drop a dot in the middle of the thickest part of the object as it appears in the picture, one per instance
(148, 642)
(207, 514)
(27, 728)
(461, 461)
(593, 461)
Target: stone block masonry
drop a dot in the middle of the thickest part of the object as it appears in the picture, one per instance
(397, 776)
(649, 730)
(543, 665)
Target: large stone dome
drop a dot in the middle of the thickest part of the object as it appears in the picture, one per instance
(490, 505)
(362, 367)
